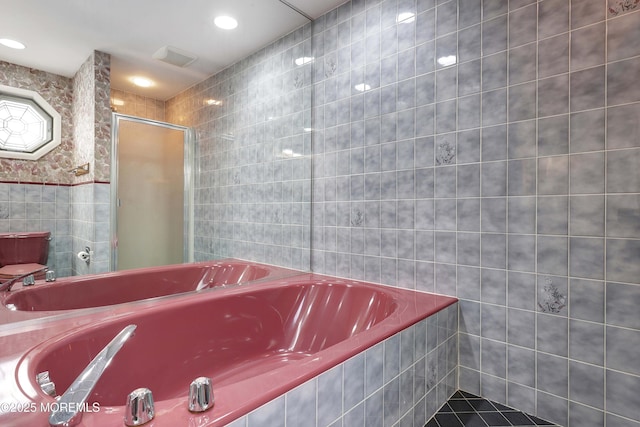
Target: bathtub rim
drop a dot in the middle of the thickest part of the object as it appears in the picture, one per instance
(281, 272)
(226, 395)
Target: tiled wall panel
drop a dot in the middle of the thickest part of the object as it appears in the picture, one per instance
(490, 150)
(137, 105)
(35, 207)
(253, 131)
(90, 207)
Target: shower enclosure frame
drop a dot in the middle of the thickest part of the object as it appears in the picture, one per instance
(189, 148)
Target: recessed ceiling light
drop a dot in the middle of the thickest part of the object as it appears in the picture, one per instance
(142, 81)
(303, 60)
(447, 60)
(405, 17)
(13, 44)
(362, 87)
(225, 22)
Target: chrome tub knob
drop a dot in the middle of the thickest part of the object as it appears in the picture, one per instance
(139, 408)
(200, 395)
(29, 280)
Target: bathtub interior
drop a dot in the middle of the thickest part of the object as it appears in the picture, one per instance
(230, 339)
(133, 285)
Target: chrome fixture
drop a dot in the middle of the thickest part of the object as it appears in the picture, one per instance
(29, 280)
(46, 384)
(50, 276)
(139, 407)
(200, 395)
(78, 392)
(6, 286)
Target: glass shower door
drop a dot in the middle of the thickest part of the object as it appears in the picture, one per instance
(150, 194)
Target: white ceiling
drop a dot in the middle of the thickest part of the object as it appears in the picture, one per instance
(60, 35)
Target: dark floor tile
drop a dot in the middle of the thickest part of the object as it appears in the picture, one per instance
(495, 419)
(432, 423)
(458, 395)
(471, 419)
(501, 407)
(460, 406)
(448, 420)
(517, 418)
(482, 405)
(468, 395)
(446, 408)
(539, 421)
(468, 410)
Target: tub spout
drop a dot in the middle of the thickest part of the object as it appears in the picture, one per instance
(6, 286)
(68, 412)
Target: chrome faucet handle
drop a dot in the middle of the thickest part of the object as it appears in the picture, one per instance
(200, 395)
(46, 384)
(140, 408)
(50, 276)
(69, 411)
(29, 280)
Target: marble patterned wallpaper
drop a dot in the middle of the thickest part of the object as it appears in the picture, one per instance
(102, 117)
(92, 117)
(58, 92)
(84, 114)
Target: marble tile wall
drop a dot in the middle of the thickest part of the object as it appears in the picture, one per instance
(489, 149)
(90, 210)
(401, 381)
(137, 105)
(253, 131)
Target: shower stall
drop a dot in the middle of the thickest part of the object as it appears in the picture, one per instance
(151, 193)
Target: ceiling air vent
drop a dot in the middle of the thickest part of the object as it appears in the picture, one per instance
(174, 56)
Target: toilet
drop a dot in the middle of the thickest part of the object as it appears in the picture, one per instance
(21, 253)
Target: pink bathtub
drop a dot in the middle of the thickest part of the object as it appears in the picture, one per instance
(255, 342)
(133, 285)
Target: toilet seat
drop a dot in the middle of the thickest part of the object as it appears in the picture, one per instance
(16, 270)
